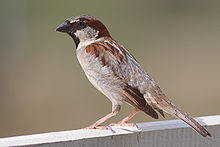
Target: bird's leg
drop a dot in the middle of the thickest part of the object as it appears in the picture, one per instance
(124, 121)
(97, 124)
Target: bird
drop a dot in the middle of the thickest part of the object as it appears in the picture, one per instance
(115, 72)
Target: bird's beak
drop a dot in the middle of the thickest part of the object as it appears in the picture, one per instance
(64, 27)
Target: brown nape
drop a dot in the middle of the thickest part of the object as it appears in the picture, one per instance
(96, 24)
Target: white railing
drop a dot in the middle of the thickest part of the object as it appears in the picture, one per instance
(171, 133)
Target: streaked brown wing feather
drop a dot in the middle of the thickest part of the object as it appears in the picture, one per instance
(106, 53)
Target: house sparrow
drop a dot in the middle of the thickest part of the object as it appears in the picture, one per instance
(117, 74)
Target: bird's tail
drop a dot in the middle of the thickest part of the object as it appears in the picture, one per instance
(192, 122)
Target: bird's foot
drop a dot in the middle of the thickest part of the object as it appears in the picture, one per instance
(97, 127)
(123, 124)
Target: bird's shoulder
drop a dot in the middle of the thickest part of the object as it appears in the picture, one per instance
(108, 51)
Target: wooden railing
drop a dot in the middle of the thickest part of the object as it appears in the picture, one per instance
(171, 133)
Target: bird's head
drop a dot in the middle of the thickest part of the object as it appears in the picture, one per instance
(83, 28)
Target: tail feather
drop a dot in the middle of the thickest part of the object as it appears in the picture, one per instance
(192, 122)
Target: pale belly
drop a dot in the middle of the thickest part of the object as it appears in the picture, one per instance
(101, 77)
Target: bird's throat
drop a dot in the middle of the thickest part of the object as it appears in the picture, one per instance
(76, 39)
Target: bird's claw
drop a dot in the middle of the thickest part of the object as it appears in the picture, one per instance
(123, 124)
(97, 127)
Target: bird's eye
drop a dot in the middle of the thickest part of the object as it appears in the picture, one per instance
(81, 23)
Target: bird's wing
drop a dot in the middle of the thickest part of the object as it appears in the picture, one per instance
(115, 57)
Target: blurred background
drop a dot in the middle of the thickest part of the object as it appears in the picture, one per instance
(43, 88)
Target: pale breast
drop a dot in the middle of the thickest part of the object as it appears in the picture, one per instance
(102, 77)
